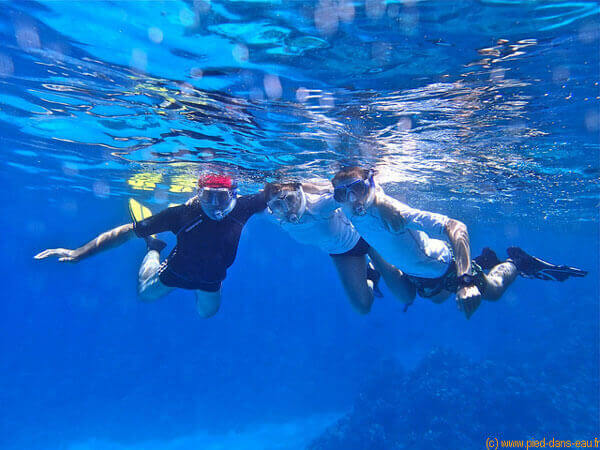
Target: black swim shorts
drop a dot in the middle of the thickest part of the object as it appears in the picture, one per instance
(428, 287)
(361, 248)
(169, 277)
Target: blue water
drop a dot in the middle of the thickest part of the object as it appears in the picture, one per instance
(486, 111)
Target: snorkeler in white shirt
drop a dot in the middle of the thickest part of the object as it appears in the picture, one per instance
(401, 248)
(311, 216)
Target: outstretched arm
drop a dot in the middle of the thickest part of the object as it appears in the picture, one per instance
(105, 241)
(317, 188)
(468, 298)
(459, 239)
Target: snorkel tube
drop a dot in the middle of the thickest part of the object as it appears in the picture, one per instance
(219, 214)
(359, 207)
(295, 217)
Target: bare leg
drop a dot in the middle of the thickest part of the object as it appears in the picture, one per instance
(149, 286)
(352, 271)
(498, 280)
(207, 303)
(395, 280)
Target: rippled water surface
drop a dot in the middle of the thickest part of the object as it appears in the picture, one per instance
(487, 101)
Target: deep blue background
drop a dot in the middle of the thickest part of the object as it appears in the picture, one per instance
(82, 357)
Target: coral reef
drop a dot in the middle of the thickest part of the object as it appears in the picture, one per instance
(451, 402)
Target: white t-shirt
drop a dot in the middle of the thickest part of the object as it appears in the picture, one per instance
(410, 249)
(323, 224)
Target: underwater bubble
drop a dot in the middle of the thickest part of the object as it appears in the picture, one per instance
(301, 94)
(561, 74)
(326, 17)
(7, 68)
(101, 189)
(346, 11)
(202, 6)
(592, 120)
(375, 8)
(155, 35)
(27, 36)
(139, 60)
(187, 17)
(272, 86)
(240, 53)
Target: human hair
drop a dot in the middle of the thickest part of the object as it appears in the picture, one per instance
(272, 189)
(350, 172)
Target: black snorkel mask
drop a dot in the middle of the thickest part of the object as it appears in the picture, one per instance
(359, 194)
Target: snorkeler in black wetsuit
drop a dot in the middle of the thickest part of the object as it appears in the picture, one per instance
(208, 229)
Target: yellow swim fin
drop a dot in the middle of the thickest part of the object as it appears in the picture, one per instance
(138, 211)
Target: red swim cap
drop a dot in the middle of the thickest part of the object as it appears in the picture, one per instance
(215, 181)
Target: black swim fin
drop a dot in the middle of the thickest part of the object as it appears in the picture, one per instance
(532, 267)
(488, 259)
(153, 243)
(374, 276)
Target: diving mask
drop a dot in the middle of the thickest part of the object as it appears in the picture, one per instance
(359, 193)
(289, 205)
(217, 202)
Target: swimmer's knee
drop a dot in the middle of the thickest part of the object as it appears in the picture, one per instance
(362, 309)
(207, 313)
(207, 310)
(492, 293)
(362, 301)
(493, 288)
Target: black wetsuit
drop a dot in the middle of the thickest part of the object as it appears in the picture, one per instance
(205, 248)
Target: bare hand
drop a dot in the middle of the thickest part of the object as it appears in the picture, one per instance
(63, 254)
(468, 299)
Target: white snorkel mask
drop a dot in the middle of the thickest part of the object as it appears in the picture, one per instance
(289, 205)
(217, 202)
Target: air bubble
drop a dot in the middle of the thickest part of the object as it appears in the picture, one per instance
(240, 53)
(7, 68)
(272, 86)
(101, 189)
(139, 60)
(187, 17)
(301, 94)
(27, 37)
(326, 18)
(155, 35)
